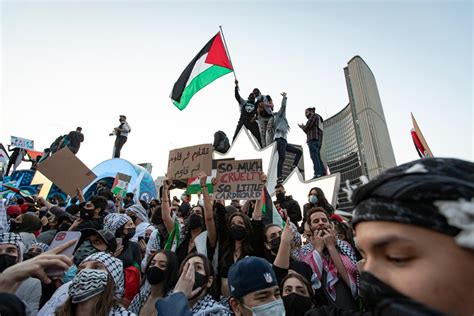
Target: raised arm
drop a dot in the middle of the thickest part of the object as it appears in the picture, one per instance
(237, 94)
(208, 211)
(257, 210)
(282, 110)
(165, 207)
(282, 259)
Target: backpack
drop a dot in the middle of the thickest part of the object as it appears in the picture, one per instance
(221, 142)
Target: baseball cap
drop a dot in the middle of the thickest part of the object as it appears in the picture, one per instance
(105, 235)
(249, 275)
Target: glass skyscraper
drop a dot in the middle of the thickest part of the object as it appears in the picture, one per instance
(356, 141)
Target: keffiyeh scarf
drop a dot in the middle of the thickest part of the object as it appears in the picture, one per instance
(115, 268)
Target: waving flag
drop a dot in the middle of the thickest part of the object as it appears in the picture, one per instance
(209, 64)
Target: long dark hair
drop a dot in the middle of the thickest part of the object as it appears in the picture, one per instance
(229, 244)
(322, 201)
(171, 272)
(303, 280)
(207, 268)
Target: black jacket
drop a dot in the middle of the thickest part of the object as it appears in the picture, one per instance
(292, 208)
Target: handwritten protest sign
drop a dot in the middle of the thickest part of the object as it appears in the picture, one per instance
(66, 171)
(22, 142)
(239, 179)
(120, 184)
(185, 163)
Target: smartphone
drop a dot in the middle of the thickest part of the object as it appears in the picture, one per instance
(119, 242)
(59, 239)
(140, 238)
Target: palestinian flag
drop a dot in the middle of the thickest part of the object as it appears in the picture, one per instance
(194, 185)
(209, 64)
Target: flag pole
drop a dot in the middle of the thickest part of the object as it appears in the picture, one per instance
(227, 51)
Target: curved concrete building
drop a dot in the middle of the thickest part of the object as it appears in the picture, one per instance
(356, 141)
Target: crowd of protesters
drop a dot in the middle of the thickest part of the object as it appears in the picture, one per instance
(407, 250)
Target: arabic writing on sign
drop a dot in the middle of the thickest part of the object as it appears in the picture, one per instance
(185, 163)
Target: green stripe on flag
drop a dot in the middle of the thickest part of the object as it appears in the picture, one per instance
(199, 82)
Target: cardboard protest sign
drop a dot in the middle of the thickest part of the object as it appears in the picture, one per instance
(66, 171)
(239, 179)
(185, 163)
(120, 184)
(22, 142)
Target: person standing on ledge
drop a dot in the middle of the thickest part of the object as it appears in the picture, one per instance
(121, 132)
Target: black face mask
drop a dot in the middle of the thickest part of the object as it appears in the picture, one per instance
(195, 221)
(130, 234)
(63, 227)
(280, 196)
(382, 299)
(6, 261)
(199, 280)
(155, 275)
(296, 304)
(275, 244)
(86, 214)
(146, 239)
(237, 232)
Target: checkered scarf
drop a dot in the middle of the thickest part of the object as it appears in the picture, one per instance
(115, 268)
(114, 221)
(41, 245)
(139, 211)
(208, 306)
(13, 239)
(152, 245)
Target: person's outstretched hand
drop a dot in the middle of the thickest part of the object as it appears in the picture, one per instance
(12, 277)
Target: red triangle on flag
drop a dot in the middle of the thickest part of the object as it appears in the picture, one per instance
(217, 55)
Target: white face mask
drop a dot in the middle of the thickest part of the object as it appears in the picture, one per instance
(275, 308)
(313, 199)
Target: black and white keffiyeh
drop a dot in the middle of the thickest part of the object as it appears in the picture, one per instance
(14, 239)
(208, 306)
(115, 268)
(87, 284)
(41, 245)
(139, 211)
(114, 221)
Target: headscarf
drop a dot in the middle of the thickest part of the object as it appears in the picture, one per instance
(13, 239)
(139, 211)
(115, 268)
(41, 245)
(152, 245)
(434, 193)
(114, 221)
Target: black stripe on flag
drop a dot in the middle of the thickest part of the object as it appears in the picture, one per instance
(180, 85)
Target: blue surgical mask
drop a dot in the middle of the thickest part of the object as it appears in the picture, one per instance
(274, 308)
(313, 199)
